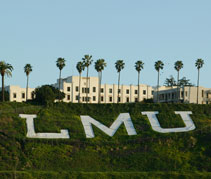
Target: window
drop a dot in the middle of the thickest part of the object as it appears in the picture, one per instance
(152, 92)
(87, 98)
(186, 93)
(23, 95)
(202, 93)
(119, 99)
(77, 97)
(128, 100)
(85, 90)
(119, 90)
(110, 99)
(94, 98)
(32, 95)
(101, 98)
(76, 88)
(68, 97)
(68, 88)
(94, 89)
(83, 99)
(127, 91)
(136, 99)
(101, 90)
(110, 90)
(144, 92)
(136, 91)
(14, 95)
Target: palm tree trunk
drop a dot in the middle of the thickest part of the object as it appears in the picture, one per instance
(178, 93)
(60, 83)
(2, 88)
(87, 74)
(79, 95)
(99, 87)
(118, 88)
(138, 87)
(198, 88)
(158, 86)
(27, 86)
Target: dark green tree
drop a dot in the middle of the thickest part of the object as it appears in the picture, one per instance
(199, 64)
(119, 65)
(170, 82)
(5, 69)
(27, 70)
(87, 61)
(60, 63)
(100, 64)
(158, 66)
(80, 67)
(139, 65)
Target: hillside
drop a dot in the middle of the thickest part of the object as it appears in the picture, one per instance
(147, 154)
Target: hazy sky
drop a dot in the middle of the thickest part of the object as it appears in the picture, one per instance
(38, 32)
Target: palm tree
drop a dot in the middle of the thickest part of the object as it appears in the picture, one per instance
(119, 65)
(100, 64)
(178, 66)
(27, 70)
(5, 68)
(80, 67)
(139, 65)
(87, 60)
(199, 64)
(158, 66)
(60, 63)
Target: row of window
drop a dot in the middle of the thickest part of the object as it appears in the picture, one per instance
(86, 90)
(102, 98)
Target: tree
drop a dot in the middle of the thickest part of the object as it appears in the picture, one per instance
(27, 70)
(5, 68)
(170, 82)
(158, 66)
(119, 65)
(178, 66)
(199, 64)
(87, 60)
(60, 63)
(139, 65)
(47, 94)
(80, 67)
(100, 64)
(185, 82)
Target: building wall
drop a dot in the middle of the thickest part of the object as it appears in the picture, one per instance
(18, 94)
(187, 95)
(70, 86)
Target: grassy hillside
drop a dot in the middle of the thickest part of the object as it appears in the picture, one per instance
(149, 154)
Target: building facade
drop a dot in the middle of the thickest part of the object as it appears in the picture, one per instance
(187, 94)
(108, 93)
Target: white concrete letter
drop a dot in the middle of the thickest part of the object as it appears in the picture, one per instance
(185, 117)
(87, 122)
(32, 134)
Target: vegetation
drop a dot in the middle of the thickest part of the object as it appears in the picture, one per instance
(158, 66)
(60, 63)
(199, 64)
(47, 94)
(178, 66)
(5, 69)
(119, 65)
(148, 154)
(99, 67)
(87, 61)
(80, 67)
(139, 65)
(171, 82)
(27, 70)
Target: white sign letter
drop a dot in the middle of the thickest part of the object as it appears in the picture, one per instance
(31, 132)
(185, 117)
(87, 122)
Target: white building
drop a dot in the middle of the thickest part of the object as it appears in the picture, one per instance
(109, 93)
(18, 94)
(187, 94)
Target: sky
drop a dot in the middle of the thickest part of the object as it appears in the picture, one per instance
(38, 32)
